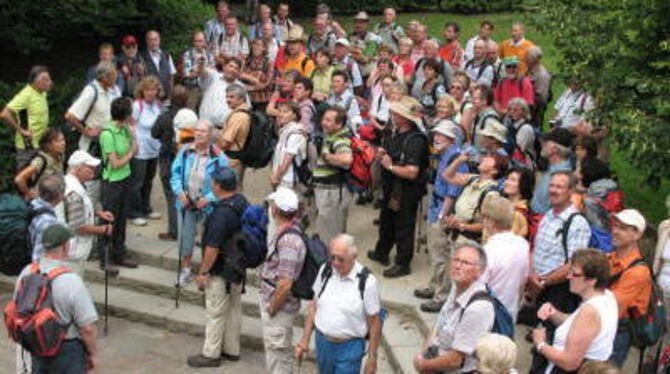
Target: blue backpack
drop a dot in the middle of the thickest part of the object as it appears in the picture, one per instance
(601, 237)
(503, 323)
(254, 230)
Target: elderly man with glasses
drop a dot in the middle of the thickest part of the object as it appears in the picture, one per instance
(345, 310)
(464, 319)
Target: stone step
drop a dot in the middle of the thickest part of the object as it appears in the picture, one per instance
(151, 280)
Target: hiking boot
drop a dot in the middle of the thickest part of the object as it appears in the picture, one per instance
(431, 306)
(185, 277)
(227, 357)
(396, 271)
(200, 361)
(424, 293)
(372, 255)
(167, 236)
(126, 262)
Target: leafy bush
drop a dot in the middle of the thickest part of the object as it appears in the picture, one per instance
(306, 7)
(620, 51)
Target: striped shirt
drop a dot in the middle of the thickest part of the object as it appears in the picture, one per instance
(326, 174)
(286, 263)
(549, 253)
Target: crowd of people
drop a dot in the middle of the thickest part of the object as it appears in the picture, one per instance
(513, 199)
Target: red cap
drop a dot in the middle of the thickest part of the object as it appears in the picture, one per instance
(128, 40)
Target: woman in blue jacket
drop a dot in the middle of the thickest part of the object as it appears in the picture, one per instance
(191, 183)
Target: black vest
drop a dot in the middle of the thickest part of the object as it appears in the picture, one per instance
(162, 71)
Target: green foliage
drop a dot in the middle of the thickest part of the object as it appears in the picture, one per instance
(306, 7)
(620, 51)
(91, 20)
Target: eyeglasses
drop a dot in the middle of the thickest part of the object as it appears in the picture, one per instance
(510, 66)
(336, 258)
(459, 261)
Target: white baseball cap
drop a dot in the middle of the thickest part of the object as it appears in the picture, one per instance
(285, 199)
(342, 41)
(83, 158)
(632, 217)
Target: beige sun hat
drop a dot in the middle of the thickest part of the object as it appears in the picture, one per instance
(496, 130)
(296, 34)
(409, 108)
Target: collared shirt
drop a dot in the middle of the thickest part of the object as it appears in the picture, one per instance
(100, 112)
(549, 253)
(336, 143)
(37, 108)
(481, 72)
(470, 47)
(350, 66)
(540, 202)
(191, 59)
(256, 32)
(572, 106)
(213, 31)
(286, 263)
(340, 311)
(633, 289)
(443, 189)
(460, 328)
(236, 45)
(507, 267)
(347, 101)
(39, 224)
(390, 34)
(156, 59)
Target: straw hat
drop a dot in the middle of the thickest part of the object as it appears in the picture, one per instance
(409, 108)
(296, 34)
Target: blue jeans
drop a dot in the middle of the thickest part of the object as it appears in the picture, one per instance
(621, 345)
(339, 358)
(71, 359)
(187, 221)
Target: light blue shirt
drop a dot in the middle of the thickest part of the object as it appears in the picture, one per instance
(442, 189)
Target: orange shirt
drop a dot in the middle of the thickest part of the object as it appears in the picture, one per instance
(303, 64)
(453, 54)
(508, 49)
(633, 288)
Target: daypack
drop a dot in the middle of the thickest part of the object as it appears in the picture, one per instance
(316, 255)
(646, 329)
(482, 68)
(31, 318)
(302, 172)
(260, 142)
(502, 320)
(15, 246)
(601, 238)
(359, 177)
(523, 158)
(248, 247)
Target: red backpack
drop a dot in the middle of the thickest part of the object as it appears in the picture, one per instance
(613, 201)
(359, 176)
(30, 317)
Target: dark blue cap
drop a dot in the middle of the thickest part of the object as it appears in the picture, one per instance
(225, 176)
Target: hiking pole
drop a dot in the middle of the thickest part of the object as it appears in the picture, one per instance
(181, 240)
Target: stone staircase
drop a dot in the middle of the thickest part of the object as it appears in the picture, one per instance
(147, 295)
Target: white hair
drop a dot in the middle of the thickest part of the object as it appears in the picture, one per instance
(348, 241)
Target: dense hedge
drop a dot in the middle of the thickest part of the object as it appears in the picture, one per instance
(306, 7)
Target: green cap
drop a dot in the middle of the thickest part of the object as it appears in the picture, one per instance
(56, 235)
(511, 60)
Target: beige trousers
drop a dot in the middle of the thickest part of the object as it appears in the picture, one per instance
(332, 205)
(439, 248)
(278, 341)
(224, 318)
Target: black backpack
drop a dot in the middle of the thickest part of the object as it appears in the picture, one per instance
(316, 255)
(15, 247)
(260, 142)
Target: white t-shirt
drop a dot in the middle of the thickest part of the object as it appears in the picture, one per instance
(571, 107)
(601, 347)
(340, 311)
(292, 141)
(507, 268)
(214, 107)
(145, 114)
(100, 112)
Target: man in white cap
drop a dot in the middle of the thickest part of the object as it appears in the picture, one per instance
(286, 254)
(631, 277)
(404, 161)
(78, 211)
(443, 198)
(342, 60)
